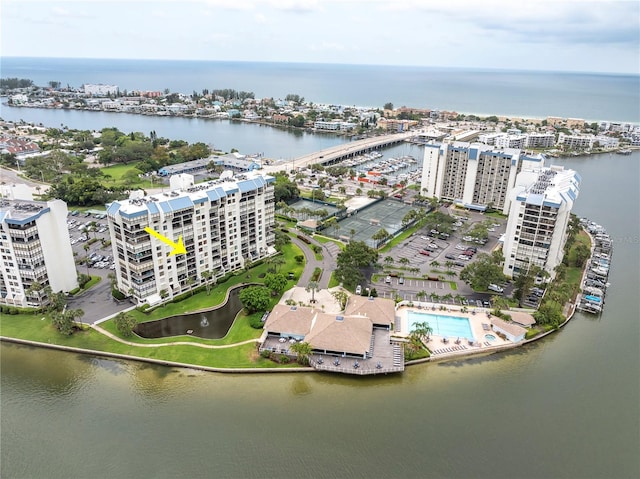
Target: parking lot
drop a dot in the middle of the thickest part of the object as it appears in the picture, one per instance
(427, 254)
(89, 233)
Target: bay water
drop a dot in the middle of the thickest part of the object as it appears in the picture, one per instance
(565, 406)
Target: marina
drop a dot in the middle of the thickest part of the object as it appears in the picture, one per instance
(595, 281)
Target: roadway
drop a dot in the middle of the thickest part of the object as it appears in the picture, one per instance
(340, 152)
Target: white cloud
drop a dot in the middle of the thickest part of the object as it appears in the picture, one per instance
(326, 46)
(295, 6)
(260, 18)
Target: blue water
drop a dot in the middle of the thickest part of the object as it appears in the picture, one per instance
(449, 326)
(518, 93)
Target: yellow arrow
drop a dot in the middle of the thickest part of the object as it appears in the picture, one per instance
(178, 248)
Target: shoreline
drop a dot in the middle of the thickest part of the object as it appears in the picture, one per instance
(264, 122)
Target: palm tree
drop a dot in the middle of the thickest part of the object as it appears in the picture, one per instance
(312, 287)
(404, 261)
(206, 275)
(164, 293)
(125, 323)
(421, 294)
(278, 261)
(190, 282)
(303, 350)
(388, 259)
(86, 259)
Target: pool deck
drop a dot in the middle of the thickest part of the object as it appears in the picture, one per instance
(479, 321)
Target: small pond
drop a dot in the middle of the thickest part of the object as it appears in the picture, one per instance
(212, 324)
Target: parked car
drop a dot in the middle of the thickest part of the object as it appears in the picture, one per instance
(424, 252)
(387, 280)
(400, 280)
(450, 256)
(496, 288)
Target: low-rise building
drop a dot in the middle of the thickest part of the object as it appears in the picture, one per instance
(576, 142)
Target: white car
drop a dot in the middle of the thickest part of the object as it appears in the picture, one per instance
(461, 247)
(496, 288)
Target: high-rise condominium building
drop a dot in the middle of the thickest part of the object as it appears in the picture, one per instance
(223, 223)
(474, 175)
(35, 252)
(540, 211)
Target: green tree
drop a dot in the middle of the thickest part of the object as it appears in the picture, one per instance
(255, 298)
(277, 283)
(388, 106)
(482, 272)
(190, 282)
(550, 312)
(303, 351)
(64, 321)
(341, 298)
(420, 330)
(206, 276)
(125, 323)
(278, 262)
(350, 262)
(312, 287)
(380, 235)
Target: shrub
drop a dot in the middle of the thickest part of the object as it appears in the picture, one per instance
(265, 353)
(255, 321)
(531, 333)
(116, 293)
(299, 258)
(284, 359)
(317, 272)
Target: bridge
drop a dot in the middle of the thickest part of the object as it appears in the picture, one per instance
(336, 154)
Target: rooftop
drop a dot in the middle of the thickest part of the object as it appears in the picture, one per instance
(21, 210)
(187, 197)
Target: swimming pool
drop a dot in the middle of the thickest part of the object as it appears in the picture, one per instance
(449, 326)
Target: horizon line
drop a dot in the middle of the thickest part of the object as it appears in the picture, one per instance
(435, 67)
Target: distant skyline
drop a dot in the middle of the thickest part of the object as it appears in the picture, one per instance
(564, 35)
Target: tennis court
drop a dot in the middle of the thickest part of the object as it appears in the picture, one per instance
(366, 222)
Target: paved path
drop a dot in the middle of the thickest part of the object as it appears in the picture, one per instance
(178, 343)
(327, 264)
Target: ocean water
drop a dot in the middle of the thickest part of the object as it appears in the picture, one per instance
(613, 97)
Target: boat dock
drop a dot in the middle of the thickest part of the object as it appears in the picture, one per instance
(595, 281)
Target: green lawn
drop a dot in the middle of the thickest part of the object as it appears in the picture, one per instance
(323, 239)
(32, 327)
(117, 172)
(28, 326)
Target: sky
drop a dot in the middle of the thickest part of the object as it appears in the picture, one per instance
(550, 35)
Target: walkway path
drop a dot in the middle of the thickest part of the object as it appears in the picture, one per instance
(178, 343)
(327, 264)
